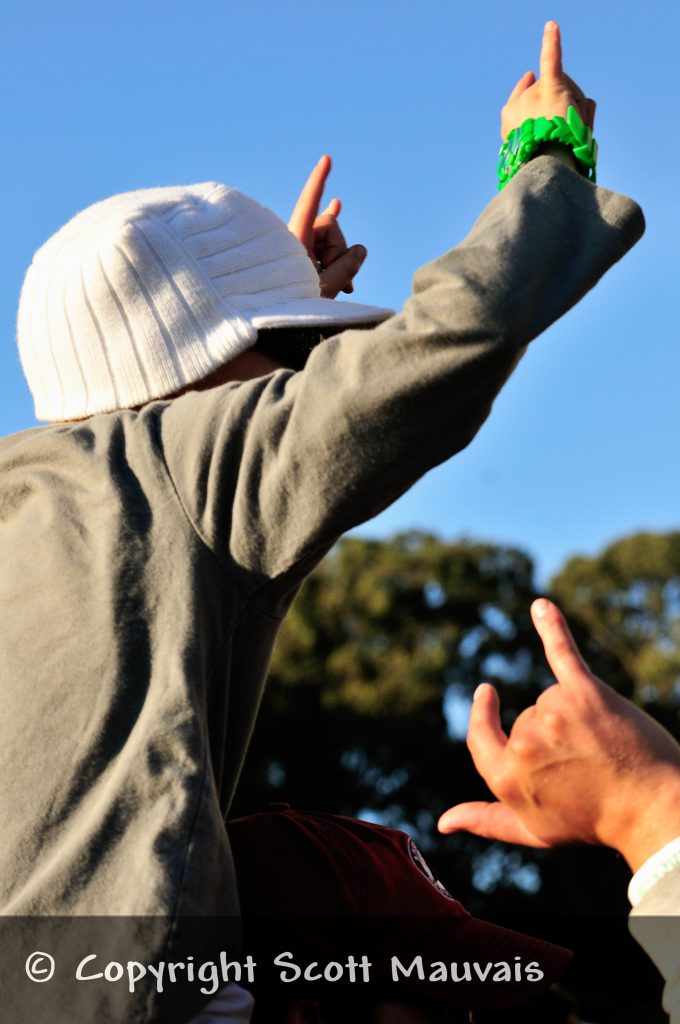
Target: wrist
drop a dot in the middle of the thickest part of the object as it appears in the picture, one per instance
(559, 152)
(523, 143)
(651, 819)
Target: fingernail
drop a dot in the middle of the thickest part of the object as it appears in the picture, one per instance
(478, 692)
(541, 607)
(359, 251)
(550, 25)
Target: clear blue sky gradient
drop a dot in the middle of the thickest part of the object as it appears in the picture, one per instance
(582, 446)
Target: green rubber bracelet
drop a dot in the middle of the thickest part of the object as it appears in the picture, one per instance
(523, 142)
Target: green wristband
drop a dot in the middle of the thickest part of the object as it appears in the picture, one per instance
(523, 142)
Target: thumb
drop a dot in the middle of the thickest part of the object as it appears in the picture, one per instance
(490, 820)
(527, 80)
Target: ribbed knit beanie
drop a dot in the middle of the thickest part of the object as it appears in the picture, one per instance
(149, 291)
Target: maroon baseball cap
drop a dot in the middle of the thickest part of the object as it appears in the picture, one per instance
(319, 889)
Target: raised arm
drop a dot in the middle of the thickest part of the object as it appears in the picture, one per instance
(280, 467)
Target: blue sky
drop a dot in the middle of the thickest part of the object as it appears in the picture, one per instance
(582, 446)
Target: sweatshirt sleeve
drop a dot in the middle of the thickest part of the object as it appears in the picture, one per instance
(270, 472)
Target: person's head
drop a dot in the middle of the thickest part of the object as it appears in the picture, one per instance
(147, 293)
(341, 913)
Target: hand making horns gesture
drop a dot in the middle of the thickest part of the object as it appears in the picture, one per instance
(321, 235)
(582, 764)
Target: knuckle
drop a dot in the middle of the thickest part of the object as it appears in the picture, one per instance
(544, 697)
(562, 646)
(525, 745)
(471, 741)
(523, 719)
(553, 724)
(502, 783)
(551, 698)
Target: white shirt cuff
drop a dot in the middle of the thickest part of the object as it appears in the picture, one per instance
(654, 868)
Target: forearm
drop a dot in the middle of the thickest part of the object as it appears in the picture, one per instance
(388, 404)
(307, 456)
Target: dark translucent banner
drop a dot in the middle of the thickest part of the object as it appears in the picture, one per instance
(138, 970)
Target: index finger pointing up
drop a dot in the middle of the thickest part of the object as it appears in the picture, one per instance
(551, 52)
(307, 207)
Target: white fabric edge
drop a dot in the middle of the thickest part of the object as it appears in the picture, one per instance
(307, 312)
(655, 867)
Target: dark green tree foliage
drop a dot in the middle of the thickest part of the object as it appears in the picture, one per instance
(381, 640)
(628, 598)
(372, 678)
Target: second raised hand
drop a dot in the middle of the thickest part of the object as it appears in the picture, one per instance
(581, 765)
(336, 263)
(551, 95)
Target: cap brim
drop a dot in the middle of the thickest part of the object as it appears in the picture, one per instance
(309, 312)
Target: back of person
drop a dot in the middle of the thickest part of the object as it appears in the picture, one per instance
(109, 675)
(152, 538)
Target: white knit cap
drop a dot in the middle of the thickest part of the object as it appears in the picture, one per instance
(148, 291)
